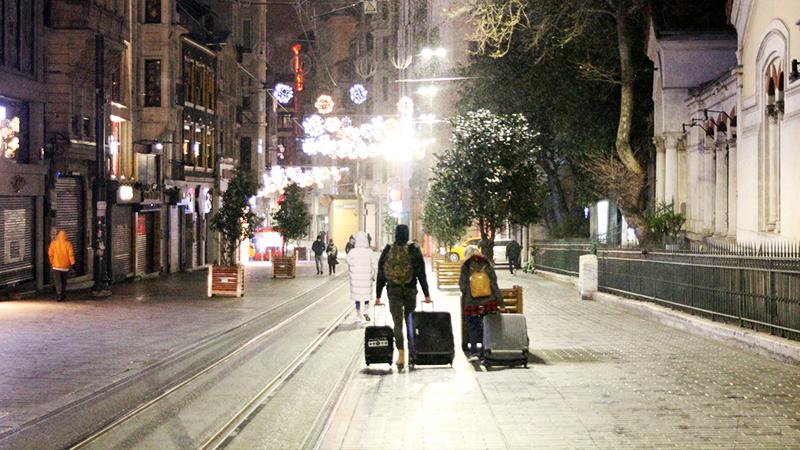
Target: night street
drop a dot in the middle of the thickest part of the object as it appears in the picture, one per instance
(599, 377)
(399, 224)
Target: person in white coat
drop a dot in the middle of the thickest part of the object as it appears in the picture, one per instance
(362, 267)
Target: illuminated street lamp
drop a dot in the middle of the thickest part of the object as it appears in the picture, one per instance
(428, 91)
(428, 53)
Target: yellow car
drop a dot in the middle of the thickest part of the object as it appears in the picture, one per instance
(456, 253)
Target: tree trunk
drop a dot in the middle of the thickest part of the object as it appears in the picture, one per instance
(557, 198)
(623, 140)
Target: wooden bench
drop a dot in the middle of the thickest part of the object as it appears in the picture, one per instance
(513, 299)
(447, 274)
(436, 260)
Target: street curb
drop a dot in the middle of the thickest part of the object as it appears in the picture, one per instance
(752, 341)
(556, 277)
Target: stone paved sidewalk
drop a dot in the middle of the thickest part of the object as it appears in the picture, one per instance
(599, 378)
(52, 354)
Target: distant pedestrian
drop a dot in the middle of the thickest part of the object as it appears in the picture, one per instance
(362, 267)
(318, 247)
(351, 243)
(478, 284)
(333, 257)
(513, 254)
(400, 267)
(62, 258)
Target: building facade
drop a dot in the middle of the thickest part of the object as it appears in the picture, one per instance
(724, 115)
(23, 169)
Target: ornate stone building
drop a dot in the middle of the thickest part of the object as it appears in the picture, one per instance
(724, 113)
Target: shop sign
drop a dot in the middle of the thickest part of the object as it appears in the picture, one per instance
(140, 226)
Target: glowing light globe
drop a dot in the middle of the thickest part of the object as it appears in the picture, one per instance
(358, 94)
(283, 93)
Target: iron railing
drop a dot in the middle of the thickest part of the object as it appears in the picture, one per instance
(755, 286)
(560, 256)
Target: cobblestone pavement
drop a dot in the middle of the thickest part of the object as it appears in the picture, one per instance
(56, 353)
(599, 378)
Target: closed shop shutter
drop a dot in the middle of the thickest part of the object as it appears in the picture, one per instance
(70, 216)
(141, 244)
(174, 239)
(16, 240)
(121, 243)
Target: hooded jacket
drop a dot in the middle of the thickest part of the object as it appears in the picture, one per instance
(362, 265)
(60, 252)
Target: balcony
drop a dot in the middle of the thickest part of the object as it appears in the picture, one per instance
(90, 15)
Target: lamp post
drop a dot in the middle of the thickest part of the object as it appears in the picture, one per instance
(101, 282)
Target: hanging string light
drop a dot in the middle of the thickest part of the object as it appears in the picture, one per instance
(279, 177)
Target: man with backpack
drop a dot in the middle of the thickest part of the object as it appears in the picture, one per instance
(400, 267)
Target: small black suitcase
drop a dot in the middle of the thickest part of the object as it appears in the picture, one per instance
(432, 339)
(378, 344)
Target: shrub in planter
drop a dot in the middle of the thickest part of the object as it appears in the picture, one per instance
(665, 225)
(293, 220)
(235, 222)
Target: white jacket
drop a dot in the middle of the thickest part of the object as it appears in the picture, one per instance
(363, 267)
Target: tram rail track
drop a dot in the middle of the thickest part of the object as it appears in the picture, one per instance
(230, 357)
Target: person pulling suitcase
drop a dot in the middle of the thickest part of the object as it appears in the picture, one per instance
(400, 268)
(482, 295)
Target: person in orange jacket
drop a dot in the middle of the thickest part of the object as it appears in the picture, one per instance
(62, 258)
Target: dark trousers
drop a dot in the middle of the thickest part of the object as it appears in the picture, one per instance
(60, 281)
(474, 326)
(402, 302)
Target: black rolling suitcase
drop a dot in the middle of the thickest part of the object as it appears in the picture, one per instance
(431, 339)
(505, 340)
(378, 343)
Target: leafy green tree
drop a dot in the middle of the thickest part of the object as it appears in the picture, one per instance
(292, 217)
(236, 221)
(490, 173)
(563, 109)
(443, 216)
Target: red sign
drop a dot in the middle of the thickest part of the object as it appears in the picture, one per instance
(140, 228)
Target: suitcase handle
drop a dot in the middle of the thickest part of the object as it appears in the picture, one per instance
(422, 308)
(375, 308)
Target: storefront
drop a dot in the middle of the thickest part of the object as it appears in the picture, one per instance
(70, 217)
(21, 200)
(126, 197)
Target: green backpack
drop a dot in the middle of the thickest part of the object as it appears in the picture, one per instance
(398, 268)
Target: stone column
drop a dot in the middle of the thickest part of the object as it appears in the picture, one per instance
(671, 142)
(694, 193)
(708, 177)
(733, 194)
(659, 142)
(773, 175)
(721, 189)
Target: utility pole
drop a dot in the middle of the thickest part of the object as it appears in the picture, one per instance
(101, 282)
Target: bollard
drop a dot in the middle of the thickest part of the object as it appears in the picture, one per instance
(587, 278)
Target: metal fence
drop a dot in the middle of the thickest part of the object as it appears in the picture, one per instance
(560, 256)
(755, 286)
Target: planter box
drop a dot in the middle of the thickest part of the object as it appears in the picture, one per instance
(284, 266)
(226, 281)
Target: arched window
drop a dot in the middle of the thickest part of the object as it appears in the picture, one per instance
(770, 146)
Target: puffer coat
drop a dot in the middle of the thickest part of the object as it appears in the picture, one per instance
(362, 266)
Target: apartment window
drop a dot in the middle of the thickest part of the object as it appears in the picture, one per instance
(384, 10)
(247, 37)
(385, 88)
(152, 11)
(385, 45)
(370, 42)
(246, 104)
(152, 82)
(285, 121)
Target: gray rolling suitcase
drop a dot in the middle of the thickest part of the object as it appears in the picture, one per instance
(505, 340)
